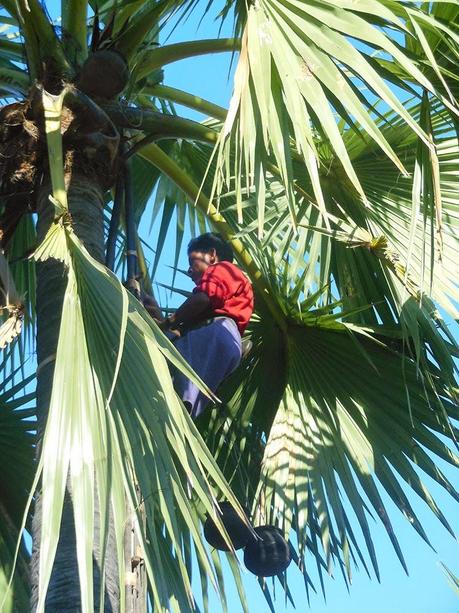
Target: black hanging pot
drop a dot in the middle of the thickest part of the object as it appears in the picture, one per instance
(269, 555)
(238, 532)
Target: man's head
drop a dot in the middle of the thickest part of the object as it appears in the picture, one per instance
(205, 250)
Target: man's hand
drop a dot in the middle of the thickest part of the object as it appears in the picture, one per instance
(166, 325)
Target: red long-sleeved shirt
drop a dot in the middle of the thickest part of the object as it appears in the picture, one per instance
(229, 291)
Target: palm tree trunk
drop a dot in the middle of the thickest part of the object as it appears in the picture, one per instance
(86, 207)
(135, 573)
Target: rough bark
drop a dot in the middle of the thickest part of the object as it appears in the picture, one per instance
(135, 574)
(86, 207)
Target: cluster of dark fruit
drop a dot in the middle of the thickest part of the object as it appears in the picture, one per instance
(265, 554)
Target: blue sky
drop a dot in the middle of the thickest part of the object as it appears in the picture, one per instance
(426, 590)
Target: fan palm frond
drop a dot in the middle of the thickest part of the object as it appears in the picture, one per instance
(17, 439)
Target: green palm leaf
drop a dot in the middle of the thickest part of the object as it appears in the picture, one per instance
(452, 579)
(109, 415)
(293, 58)
(335, 438)
(17, 448)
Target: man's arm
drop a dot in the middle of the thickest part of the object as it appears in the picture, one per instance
(190, 311)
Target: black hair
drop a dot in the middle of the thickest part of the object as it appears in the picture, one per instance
(211, 240)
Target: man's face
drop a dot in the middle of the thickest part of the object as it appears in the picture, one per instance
(199, 261)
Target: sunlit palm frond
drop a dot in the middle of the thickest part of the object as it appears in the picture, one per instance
(117, 405)
(297, 71)
(378, 257)
(433, 33)
(338, 428)
(452, 579)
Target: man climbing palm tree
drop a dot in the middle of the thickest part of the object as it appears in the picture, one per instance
(207, 327)
(334, 175)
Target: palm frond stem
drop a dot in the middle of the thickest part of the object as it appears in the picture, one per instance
(74, 15)
(186, 99)
(13, 48)
(31, 47)
(15, 78)
(143, 269)
(163, 126)
(143, 142)
(168, 54)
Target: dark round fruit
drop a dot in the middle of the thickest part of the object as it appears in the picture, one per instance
(103, 75)
(238, 532)
(268, 556)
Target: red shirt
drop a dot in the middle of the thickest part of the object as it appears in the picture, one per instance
(230, 292)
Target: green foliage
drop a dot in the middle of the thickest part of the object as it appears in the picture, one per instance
(17, 443)
(108, 420)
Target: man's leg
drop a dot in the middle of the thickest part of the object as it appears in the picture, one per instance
(213, 352)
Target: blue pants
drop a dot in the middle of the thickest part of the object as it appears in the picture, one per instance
(213, 351)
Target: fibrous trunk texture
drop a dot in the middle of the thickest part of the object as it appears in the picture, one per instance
(85, 198)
